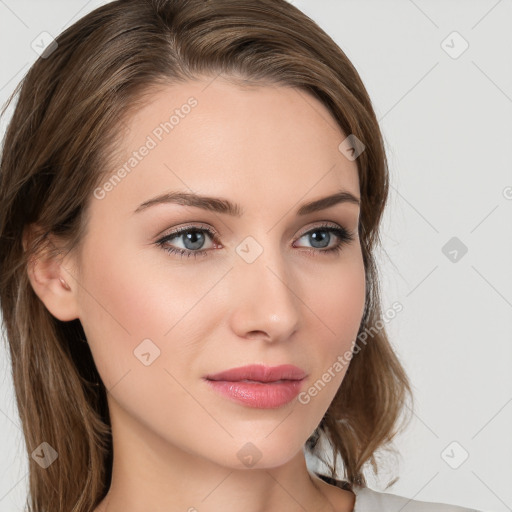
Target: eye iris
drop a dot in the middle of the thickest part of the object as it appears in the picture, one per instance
(314, 238)
(192, 237)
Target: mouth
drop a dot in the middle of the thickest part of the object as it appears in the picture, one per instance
(259, 386)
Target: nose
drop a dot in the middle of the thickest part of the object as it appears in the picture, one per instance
(265, 300)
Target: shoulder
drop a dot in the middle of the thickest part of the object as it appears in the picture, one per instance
(368, 500)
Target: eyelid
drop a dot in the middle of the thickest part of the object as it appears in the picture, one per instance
(201, 226)
(323, 224)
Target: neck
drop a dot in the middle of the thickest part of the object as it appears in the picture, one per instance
(150, 474)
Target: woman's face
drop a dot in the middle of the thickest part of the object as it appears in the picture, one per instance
(261, 290)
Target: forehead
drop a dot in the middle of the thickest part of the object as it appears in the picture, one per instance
(216, 137)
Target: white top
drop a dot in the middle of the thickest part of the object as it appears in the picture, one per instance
(368, 500)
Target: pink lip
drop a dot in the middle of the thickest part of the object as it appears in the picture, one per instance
(260, 373)
(271, 387)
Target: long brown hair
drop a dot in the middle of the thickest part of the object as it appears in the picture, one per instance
(58, 147)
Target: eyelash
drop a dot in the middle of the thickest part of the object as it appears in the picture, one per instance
(343, 235)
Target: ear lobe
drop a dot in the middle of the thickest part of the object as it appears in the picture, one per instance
(51, 282)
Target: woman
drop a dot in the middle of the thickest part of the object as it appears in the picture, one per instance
(191, 200)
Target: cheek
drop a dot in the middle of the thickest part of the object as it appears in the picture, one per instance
(120, 306)
(338, 306)
(337, 298)
(132, 304)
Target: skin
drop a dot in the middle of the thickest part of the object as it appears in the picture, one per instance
(270, 149)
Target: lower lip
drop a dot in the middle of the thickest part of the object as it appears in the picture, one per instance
(269, 395)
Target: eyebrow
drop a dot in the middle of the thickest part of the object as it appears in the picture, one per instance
(220, 205)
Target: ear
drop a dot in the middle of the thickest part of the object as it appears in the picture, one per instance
(51, 273)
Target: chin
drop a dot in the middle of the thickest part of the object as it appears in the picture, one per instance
(265, 452)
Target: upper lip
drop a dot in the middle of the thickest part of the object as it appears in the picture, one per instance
(260, 373)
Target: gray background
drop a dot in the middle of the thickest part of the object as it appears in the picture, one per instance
(446, 120)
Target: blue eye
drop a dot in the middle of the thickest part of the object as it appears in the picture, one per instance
(326, 235)
(194, 237)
